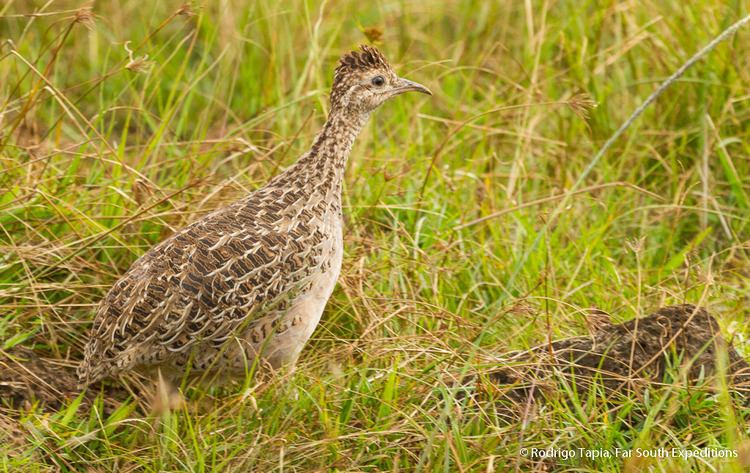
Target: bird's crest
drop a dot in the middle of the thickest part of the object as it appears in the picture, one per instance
(366, 58)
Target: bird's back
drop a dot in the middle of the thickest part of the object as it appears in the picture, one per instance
(199, 286)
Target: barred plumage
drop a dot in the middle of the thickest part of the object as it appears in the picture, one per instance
(252, 278)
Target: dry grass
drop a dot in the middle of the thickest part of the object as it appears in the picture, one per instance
(476, 222)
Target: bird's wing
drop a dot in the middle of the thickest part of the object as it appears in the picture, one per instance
(201, 284)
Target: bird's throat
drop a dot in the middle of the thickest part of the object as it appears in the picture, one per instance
(326, 161)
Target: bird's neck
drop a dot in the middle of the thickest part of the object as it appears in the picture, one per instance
(323, 166)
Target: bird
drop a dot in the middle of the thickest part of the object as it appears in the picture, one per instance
(248, 282)
(621, 356)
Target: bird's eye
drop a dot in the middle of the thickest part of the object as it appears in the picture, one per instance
(378, 81)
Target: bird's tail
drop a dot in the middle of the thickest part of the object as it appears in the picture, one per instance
(89, 371)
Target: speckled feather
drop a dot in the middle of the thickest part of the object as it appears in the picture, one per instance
(633, 353)
(213, 294)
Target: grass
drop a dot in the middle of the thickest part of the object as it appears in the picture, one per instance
(117, 128)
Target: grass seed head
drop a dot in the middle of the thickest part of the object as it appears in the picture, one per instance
(85, 17)
(137, 64)
(186, 9)
(581, 104)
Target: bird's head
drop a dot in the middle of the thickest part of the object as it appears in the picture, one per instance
(364, 80)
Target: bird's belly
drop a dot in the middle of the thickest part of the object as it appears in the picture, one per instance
(279, 337)
(306, 309)
(304, 313)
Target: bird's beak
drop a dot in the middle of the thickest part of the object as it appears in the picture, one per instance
(404, 85)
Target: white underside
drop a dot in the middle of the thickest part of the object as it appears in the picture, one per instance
(284, 348)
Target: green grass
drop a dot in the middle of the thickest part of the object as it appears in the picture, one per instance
(103, 155)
